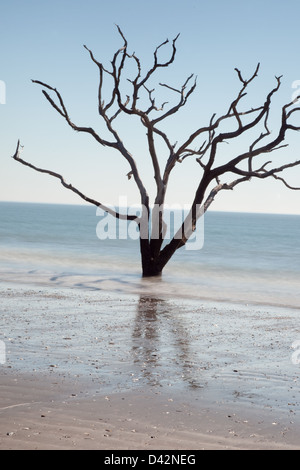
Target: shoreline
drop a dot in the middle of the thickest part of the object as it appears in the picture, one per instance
(139, 286)
(92, 369)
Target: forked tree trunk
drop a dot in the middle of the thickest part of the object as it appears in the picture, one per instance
(154, 257)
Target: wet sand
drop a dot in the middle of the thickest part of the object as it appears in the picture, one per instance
(94, 370)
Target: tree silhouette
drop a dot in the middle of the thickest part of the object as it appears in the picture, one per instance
(203, 144)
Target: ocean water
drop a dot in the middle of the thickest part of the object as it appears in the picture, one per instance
(248, 258)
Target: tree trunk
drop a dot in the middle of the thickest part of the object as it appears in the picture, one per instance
(151, 270)
(150, 266)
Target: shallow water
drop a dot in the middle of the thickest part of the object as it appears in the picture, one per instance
(249, 258)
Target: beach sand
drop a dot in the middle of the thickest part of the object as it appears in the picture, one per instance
(94, 370)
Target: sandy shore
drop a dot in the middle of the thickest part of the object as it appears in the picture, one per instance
(88, 370)
(50, 415)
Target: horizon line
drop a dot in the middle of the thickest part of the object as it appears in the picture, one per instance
(136, 205)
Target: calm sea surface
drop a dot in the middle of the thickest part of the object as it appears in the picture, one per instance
(249, 258)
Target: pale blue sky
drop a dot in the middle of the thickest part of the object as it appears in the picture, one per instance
(44, 40)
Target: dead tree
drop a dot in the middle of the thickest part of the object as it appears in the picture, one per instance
(203, 144)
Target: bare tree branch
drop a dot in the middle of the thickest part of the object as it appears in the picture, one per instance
(72, 188)
(210, 173)
(117, 144)
(183, 99)
(156, 64)
(267, 148)
(63, 112)
(294, 188)
(263, 173)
